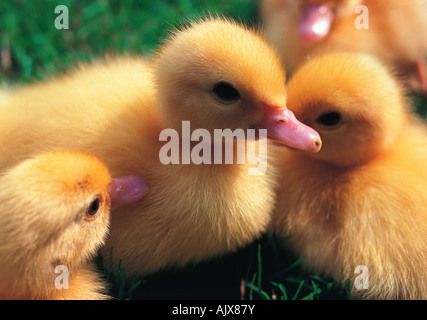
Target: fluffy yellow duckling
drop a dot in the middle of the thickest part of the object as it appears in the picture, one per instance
(54, 215)
(216, 74)
(356, 210)
(396, 32)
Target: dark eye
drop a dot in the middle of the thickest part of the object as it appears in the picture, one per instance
(329, 119)
(93, 207)
(226, 92)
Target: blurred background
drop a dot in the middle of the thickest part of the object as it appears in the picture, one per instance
(33, 49)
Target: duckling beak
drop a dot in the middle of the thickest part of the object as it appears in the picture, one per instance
(126, 190)
(315, 23)
(283, 127)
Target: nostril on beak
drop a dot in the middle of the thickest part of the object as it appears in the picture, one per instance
(283, 120)
(317, 144)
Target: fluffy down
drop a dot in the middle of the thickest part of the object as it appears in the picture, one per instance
(116, 110)
(361, 200)
(54, 212)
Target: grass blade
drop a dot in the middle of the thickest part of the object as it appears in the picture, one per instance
(298, 290)
(252, 287)
(290, 267)
(282, 288)
(259, 267)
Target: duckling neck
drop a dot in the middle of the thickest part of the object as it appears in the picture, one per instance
(31, 283)
(58, 284)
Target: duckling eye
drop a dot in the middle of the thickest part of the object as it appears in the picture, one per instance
(93, 207)
(225, 92)
(329, 119)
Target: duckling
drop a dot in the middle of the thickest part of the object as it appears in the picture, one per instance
(54, 213)
(214, 74)
(394, 31)
(356, 210)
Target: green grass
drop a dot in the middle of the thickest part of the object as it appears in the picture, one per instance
(38, 50)
(261, 271)
(278, 276)
(121, 287)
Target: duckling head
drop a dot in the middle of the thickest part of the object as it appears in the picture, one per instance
(218, 74)
(54, 211)
(354, 103)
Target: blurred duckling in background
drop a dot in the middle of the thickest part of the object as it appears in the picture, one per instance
(3, 96)
(396, 34)
(54, 216)
(360, 201)
(214, 73)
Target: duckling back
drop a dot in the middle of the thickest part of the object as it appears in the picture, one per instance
(95, 107)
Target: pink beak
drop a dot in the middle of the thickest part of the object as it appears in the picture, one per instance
(126, 190)
(283, 127)
(315, 23)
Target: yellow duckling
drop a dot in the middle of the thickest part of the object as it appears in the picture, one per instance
(212, 75)
(356, 210)
(54, 216)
